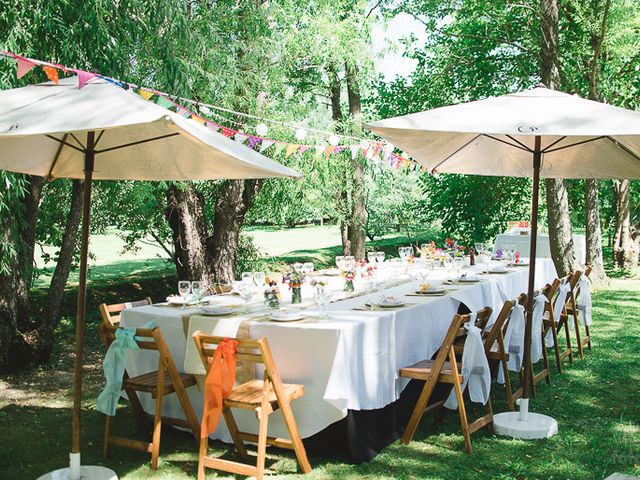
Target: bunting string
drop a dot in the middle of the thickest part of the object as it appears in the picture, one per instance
(372, 150)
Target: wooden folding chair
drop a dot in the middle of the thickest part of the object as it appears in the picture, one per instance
(163, 381)
(111, 313)
(572, 310)
(445, 369)
(556, 325)
(260, 396)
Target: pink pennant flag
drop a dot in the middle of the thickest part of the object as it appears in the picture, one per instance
(303, 148)
(24, 66)
(84, 77)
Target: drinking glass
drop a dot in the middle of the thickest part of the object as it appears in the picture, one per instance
(340, 262)
(196, 289)
(380, 257)
(246, 292)
(184, 287)
(247, 277)
(308, 267)
(372, 257)
(402, 253)
(322, 299)
(410, 251)
(458, 263)
(448, 263)
(349, 262)
(258, 279)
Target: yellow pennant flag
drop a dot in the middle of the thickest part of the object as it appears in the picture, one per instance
(291, 149)
(146, 94)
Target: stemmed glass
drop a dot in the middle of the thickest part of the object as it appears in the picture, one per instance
(258, 279)
(372, 257)
(380, 257)
(196, 289)
(349, 263)
(246, 291)
(458, 263)
(403, 253)
(247, 277)
(184, 287)
(340, 262)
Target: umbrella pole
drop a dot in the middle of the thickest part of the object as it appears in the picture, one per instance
(89, 157)
(522, 424)
(528, 376)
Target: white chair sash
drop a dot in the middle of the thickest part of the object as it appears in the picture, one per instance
(584, 301)
(558, 308)
(475, 368)
(539, 302)
(514, 340)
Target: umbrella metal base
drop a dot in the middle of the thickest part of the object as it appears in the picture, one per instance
(524, 425)
(86, 473)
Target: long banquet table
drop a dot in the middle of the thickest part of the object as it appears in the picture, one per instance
(348, 362)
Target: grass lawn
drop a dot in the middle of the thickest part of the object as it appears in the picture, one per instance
(595, 402)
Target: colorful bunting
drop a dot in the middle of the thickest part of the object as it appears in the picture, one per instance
(24, 66)
(84, 77)
(240, 137)
(266, 144)
(291, 148)
(278, 149)
(52, 73)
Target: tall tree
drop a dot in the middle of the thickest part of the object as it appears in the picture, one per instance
(559, 221)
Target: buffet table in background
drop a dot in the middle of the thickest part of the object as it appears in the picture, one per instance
(522, 243)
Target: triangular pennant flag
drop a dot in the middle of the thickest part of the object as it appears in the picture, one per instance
(52, 73)
(265, 144)
(292, 147)
(213, 126)
(424, 168)
(163, 102)
(24, 67)
(84, 77)
(253, 142)
(279, 148)
(240, 137)
(198, 119)
(146, 94)
(328, 151)
(354, 151)
(319, 150)
(227, 132)
(338, 149)
(303, 148)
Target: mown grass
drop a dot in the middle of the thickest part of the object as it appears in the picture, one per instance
(595, 401)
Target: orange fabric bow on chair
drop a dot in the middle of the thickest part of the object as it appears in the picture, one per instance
(218, 384)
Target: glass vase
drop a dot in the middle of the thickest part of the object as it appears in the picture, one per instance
(296, 294)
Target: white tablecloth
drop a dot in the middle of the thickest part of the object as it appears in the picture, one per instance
(522, 243)
(348, 361)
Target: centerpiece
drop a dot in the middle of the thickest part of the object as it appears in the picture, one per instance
(294, 278)
(272, 295)
(453, 248)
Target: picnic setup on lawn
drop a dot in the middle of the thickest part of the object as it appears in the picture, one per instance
(329, 365)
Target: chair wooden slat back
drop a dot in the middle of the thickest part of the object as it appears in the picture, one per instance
(111, 313)
(496, 332)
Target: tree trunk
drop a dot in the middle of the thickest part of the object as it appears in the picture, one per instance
(560, 232)
(185, 215)
(51, 313)
(625, 249)
(235, 201)
(358, 220)
(593, 232)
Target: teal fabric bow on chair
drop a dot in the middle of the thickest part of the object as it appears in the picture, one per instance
(115, 362)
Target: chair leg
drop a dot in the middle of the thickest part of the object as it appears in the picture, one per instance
(107, 434)
(576, 326)
(418, 411)
(545, 358)
(556, 348)
(294, 434)
(157, 421)
(489, 409)
(262, 438)
(462, 413)
(234, 431)
(568, 337)
(507, 384)
(588, 333)
(204, 447)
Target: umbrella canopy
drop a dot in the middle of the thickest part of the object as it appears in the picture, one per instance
(135, 139)
(580, 138)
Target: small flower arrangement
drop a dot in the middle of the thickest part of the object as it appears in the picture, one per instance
(499, 254)
(272, 295)
(430, 251)
(318, 283)
(368, 270)
(348, 275)
(295, 276)
(453, 248)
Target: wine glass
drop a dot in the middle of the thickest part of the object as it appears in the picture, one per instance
(410, 251)
(349, 262)
(308, 267)
(340, 262)
(380, 257)
(372, 257)
(448, 263)
(322, 299)
(258, 279)
(184, 287)
(247, 277)
(458, 263)
(196, 289)
(245, 290)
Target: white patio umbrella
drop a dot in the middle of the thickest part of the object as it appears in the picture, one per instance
(105, 132)
(534, 133)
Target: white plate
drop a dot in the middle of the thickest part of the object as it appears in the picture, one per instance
(219, 310)
(390, 305)
(469, 279)
(331, 272)
(286, 317)
(179, 301)
(431, 291)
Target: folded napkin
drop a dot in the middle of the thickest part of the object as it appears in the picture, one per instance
(584, 301)
(539, 302)
(514, 341)
(114, 365)
(475, 368)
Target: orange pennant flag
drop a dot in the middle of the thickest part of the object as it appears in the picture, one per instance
(52, 73)
(329, 150)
